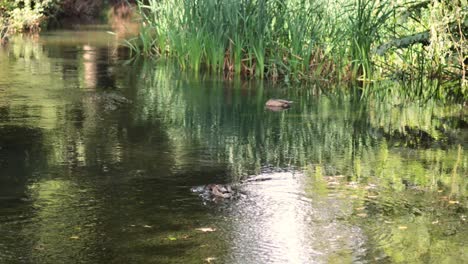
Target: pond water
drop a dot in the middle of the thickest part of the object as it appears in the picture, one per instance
(98, 157)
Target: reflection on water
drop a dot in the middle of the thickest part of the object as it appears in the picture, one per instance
(280, 222)
(89, 176)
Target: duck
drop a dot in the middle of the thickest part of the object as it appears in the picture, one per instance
(220, 191)
(278, 103)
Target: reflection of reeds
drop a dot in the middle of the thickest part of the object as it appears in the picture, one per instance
(333, 132)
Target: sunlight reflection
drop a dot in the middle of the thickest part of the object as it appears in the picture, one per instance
(278, 223)
(90, 67)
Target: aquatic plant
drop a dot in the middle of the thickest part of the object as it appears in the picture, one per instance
(255, 38)
(366, 19)
(326, 40)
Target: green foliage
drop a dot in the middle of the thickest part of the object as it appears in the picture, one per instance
(329, 40)
(245, 37)
(366, 19)
(27, 15)
(6, 5)
(426, 49)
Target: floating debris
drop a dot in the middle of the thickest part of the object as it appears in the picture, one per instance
(206, 229)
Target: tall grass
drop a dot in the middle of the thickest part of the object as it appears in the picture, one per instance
(291, 39)
(364, 28)
(296, 40)
(254, 38)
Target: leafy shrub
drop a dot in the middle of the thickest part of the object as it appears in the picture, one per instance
(27, 15)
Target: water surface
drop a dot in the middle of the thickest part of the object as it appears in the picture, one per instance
(88, 179)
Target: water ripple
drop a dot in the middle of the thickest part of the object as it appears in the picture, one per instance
(279, 222)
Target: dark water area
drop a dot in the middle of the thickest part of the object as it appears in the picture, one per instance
(98, 158)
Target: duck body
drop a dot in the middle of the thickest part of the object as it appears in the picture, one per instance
(215, 192)
(278, 103)
(220, 191)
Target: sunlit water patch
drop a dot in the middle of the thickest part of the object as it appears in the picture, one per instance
(281, 221)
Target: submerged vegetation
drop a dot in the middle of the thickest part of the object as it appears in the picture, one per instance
(422, 43)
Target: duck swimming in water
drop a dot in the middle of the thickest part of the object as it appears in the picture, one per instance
(215, 192)
(278, 103)
(220, 191)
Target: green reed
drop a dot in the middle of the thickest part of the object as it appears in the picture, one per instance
(297, 40)
(243, 37)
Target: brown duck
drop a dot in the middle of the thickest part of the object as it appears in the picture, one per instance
(220, 191)
(278, 103)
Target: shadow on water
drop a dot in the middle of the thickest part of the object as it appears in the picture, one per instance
(97, 159)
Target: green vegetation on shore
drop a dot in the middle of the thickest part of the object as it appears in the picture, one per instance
(31, 16)
(420, 43)
(27, 15)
